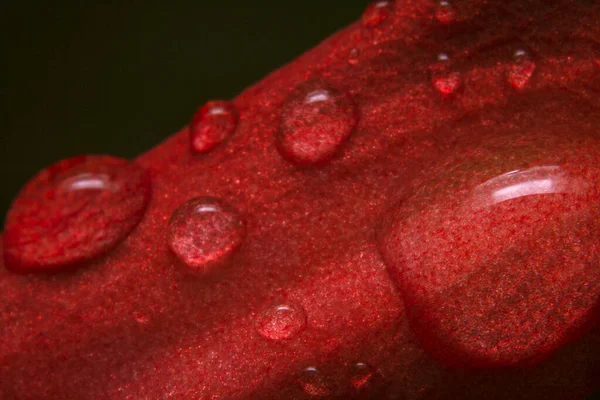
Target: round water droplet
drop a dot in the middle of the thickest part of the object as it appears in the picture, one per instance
(362, 375)
(444, 79)
(353, 56)
(141, 318)
(74, 211)
(282, 322)
(314, 382)
(204, 233)
(376, 13)
(521, 70)
(444, 13)
(316, 121)
(212, 124)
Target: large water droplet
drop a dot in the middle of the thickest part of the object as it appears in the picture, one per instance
(444, 13)
(316, 121)
(282, 322)
(376, 13)
(362, 374)
(204, 233)
(521, 70)
(73, 211)
(212, 124)
(314, 382)
(444, 79)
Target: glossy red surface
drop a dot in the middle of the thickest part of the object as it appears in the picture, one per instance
(446, 247)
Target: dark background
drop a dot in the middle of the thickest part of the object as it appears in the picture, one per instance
(118, 79)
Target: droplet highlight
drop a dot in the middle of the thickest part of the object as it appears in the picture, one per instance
(282, 322)
(445, 13)
(314, 383)
(376, 13)
(521, 70)
(315, 122)
(74, 211)
(205, 232)
(444, 78)
(212, 124)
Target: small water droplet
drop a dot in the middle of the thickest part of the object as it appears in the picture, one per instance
(142, 318)
(362, 374)
(282, 322)
(376, 13)
(212, 124)
(74, 211)
(521, 70)
(353, 56)
(445, 13)
(204, 232)
(314, 382)
(315, 122)
(444, 79)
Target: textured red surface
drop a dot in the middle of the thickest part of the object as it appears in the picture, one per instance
(446, 247)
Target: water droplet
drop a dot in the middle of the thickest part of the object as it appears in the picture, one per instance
(376, 13)
(212, 124)
(74, 211)
(521, 70)
(353, 56)
(141, 318)
(314, 382)
(282, 322)
(204, 233)
(316, 121)
(444, 13)
(362, 375)
(444, 79)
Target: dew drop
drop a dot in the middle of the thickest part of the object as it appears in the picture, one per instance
(205, 232)
(353, 56)
(521, 70)
(74, 211)
(212, 124)
(444, 79)
(141, 318)
(376, 13)
(314, 382)
(362, 375)
(445, 14)
(315, 122)
(282, 322)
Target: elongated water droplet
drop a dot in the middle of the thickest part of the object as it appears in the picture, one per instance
(314, 383)
(444, 79)
(212, 124)
(74, 211)
(445, 14)
(316, 121)
(204, 233)
(282, 322)
(362, 374)
(376, 13)
(521, 70)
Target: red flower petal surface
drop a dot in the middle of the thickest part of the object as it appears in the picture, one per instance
(430, 233)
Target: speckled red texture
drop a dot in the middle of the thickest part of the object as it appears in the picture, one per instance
(404, 278)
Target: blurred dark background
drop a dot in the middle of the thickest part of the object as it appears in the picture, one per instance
(119, 78)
